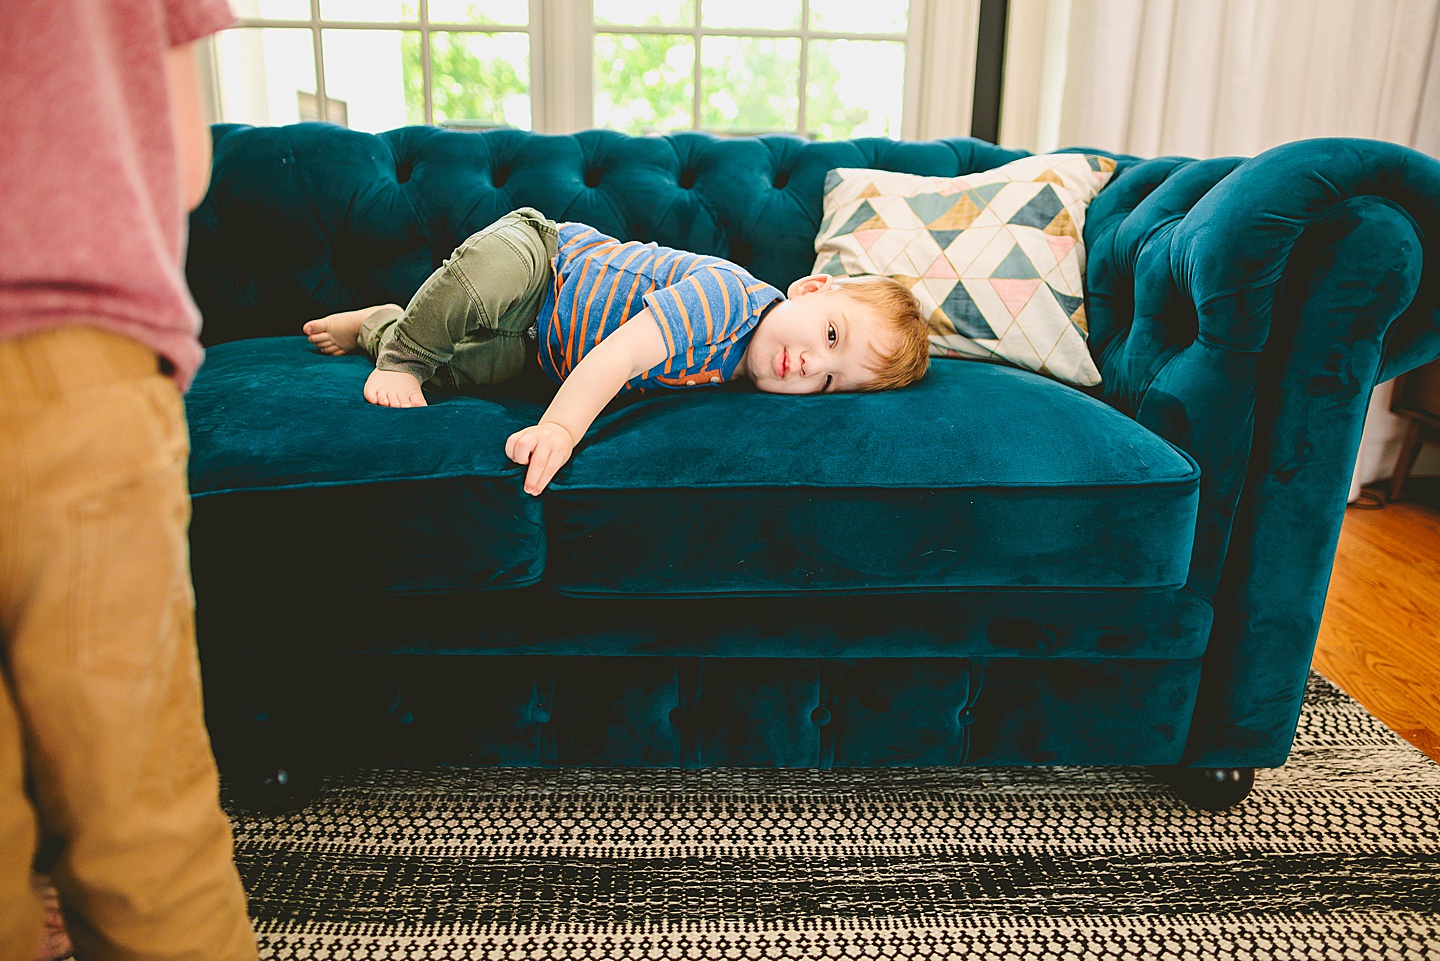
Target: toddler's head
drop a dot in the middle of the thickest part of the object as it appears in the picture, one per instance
(839, 333)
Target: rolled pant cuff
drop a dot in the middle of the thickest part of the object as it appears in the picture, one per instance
(394, 360)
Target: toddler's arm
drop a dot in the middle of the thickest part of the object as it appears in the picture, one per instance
(633, 349)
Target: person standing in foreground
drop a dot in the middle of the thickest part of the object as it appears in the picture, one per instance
(103, 748)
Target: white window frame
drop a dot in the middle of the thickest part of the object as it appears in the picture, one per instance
(422, 25)
(803, 33)
(939, 60)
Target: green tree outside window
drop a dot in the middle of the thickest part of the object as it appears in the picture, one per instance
(645, 84)
(466, 86)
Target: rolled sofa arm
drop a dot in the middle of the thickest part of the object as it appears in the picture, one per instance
(1245, 312)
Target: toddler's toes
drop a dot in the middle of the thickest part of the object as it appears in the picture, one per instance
(336, 334)
(393, 389)
(317, 334)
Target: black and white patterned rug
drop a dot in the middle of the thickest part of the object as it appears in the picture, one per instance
(1334, 856)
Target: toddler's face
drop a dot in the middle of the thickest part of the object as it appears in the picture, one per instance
(820, 339)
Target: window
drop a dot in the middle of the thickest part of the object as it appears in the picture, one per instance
(376, 64)
(819, 68)
(822, 68)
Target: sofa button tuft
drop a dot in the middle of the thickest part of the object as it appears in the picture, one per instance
(964, 717)
(687, 179)
(782, 177)
(592, 177)
(821, 716)
(677, 716)
(541, 714)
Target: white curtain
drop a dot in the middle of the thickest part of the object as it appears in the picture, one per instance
(1208, 78)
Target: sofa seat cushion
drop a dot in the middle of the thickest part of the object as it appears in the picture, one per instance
(291, 466)
(979, 477)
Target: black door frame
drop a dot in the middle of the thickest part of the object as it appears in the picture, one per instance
(989, 69)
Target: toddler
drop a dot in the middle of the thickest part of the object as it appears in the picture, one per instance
(603, 317)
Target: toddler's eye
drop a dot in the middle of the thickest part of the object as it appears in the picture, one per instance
(831, 335)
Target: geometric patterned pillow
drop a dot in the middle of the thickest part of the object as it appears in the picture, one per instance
(996, 258)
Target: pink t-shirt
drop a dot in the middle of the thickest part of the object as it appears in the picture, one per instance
(92, 218)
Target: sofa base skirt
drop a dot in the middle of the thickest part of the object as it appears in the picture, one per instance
(360, 710)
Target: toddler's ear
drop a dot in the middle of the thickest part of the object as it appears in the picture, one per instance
(808, 285)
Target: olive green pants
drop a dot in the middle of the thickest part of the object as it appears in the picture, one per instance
(473, 320)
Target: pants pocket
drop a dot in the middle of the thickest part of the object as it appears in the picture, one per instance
(130, 557)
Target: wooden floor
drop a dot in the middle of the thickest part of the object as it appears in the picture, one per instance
(1380, 636)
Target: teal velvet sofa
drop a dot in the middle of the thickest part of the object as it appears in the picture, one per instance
(988, 568)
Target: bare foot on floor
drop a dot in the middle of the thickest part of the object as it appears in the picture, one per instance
(393, 388)
(340, 333)
(56, 943)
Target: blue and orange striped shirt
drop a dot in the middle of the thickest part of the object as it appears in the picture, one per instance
(706, 307)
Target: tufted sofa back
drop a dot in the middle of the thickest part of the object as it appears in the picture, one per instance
(311, 218)
(1185, 265)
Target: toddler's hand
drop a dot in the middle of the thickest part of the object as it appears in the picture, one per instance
(545, 447)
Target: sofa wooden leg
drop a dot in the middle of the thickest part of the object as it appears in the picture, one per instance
(271, 774)
(270, 788)
(1210, 788)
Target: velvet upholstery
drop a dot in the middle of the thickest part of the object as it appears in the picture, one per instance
(1241, 311)
(959, 481)
(307, 219)
(358, 497)
(1118, 624)
(545, 711)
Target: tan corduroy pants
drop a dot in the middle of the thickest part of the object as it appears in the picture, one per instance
(102, 742)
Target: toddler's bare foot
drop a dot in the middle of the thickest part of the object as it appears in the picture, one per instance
(394, 388)
(340, 333)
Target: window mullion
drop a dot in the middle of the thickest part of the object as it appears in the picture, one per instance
(322, 99)
(540, 81)
(914, 44)
(695, 107)
(209, 58)
(562, 59)
(427, 71)
(751, 32)
(804, 62)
